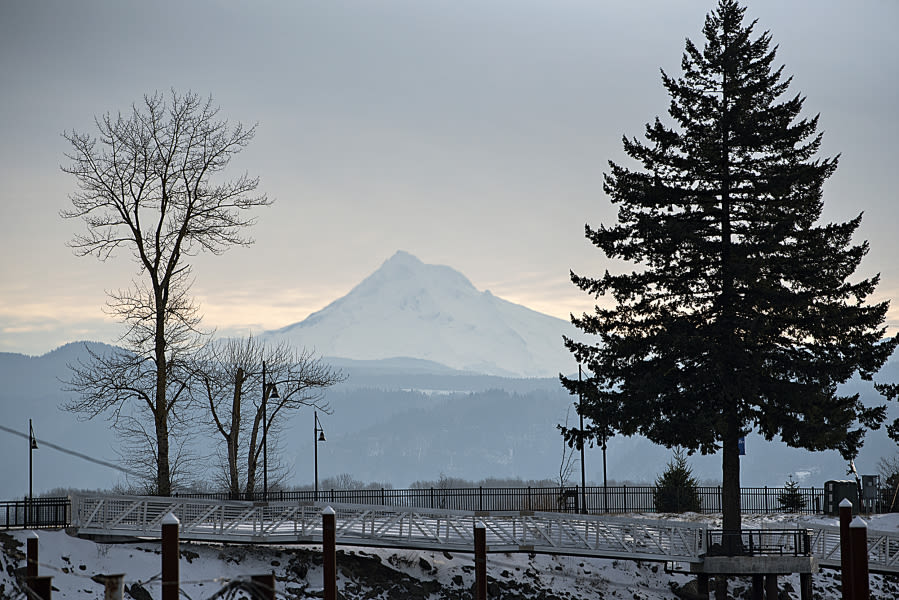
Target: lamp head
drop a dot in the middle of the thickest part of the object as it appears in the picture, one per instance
(273, 391)
(321, 436)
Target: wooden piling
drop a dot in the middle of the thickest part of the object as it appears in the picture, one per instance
(265, 585)
(845, 549)
(329, 552)
(40, 586)
(480, 560)
(858, 534)
(31, 554)
(171, 553)
(114, 586)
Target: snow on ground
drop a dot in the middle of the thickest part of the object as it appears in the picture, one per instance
(387, 574)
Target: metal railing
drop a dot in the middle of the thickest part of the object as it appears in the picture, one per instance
(611, 499)
(759, 542)
(36, 513)
(397, 527)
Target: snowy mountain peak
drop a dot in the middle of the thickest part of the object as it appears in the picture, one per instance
(407, 308)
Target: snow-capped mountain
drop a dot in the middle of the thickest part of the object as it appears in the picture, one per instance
(410, 309)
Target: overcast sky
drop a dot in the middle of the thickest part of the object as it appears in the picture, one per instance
(469, 133)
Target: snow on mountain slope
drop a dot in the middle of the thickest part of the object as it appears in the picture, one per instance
(409, 309)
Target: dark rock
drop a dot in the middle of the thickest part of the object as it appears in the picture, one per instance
(138, 592)
(425, 565)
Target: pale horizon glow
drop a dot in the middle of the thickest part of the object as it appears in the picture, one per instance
(469, 134)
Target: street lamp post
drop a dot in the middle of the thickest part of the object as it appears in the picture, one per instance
(580, 409)
(318, 435)
(268, 391)
(32, 446)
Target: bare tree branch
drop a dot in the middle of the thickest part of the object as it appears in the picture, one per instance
(149, 181)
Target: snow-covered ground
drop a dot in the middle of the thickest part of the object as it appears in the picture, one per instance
(380, 573)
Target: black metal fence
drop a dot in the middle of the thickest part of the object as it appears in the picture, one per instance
(36, 513)
(56, 512)
(597, 499)
(758, 542)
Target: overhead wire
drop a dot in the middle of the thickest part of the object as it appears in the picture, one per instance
(71, 452)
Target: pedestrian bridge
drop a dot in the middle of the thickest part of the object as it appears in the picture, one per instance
(95, 515)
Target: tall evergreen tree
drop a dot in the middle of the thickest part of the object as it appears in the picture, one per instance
(739, 314)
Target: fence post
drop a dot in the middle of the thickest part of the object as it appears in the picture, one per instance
(432, 496)
(40, 586)
(480, 497)
(329, 552)
(858, 533)
(113, 586)
(170, 555)
(265, 585)
(31, 554)
(766, 499)
(845, 549)
(624, 493)
(530, 504)
(480, 560)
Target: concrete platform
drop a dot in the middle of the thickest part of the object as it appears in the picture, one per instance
(756, 565)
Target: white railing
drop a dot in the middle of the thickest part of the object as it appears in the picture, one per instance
(435, 529)
(883, 548)
(367, 525)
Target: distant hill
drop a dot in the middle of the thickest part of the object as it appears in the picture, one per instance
(396, 421)
(433, 313)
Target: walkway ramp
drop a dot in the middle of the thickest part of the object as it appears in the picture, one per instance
(99, 515)
(370, 525)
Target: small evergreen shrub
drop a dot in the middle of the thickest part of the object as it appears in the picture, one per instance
(676, 489)
(791, 499)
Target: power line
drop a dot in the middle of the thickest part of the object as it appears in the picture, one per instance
(73, 452)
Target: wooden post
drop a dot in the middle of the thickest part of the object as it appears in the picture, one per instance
(758, 587)
(480, 561)
(114, 586)
(858, 534)
(40, 586)
(329, 552)
(171, 552)
(845, 549)
(771, 586)
(31, 554)
(702, 585)
(805, 586)
(265, 585)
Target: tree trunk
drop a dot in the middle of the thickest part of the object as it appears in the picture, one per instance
(161, 412)
(233, 437)
(730, 488)
(252, 458)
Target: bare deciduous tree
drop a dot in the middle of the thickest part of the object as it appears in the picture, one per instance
(228, 376)
(148, 182)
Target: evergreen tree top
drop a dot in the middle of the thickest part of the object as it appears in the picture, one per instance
(742, 311)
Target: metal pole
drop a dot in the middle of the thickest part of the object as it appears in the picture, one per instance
(580, 410)
(315, 442)
(28, 517)
(605, 483)
(264, 435)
